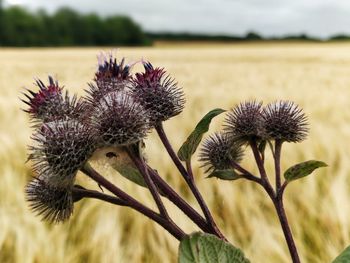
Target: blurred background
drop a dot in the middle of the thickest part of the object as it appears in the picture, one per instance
(221, 53)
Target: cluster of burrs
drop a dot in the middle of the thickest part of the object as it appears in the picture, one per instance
(252, 124)
(119, 109)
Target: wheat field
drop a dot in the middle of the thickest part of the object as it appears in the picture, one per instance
(315, 76)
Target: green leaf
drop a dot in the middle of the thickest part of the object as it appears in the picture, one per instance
(131, 173)
(225, 175)
(189, 147)
(302, 169)
(206, 248)
(344, 257)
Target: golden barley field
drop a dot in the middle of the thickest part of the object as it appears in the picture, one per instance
(315, 76)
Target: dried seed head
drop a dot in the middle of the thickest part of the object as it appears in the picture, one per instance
(157, 93)
(218, 152)
(285, 121)
(49, 103)
(118, 120)
(62, 147)
(245, 122)
(54, 204)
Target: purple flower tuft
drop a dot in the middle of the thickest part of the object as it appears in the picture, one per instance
(110, 76)
(158, 93)
(49, 103)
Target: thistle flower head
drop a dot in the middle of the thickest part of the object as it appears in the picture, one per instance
(62, 147)
(285, 121)
(45, 100)
(218, 152)
(110, 76)
(245, 122)
(110, 69)
(158, 93)
(119, 120)
(49, 103)
(54, 204)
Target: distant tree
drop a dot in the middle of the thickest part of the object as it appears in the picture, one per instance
(1, 22)
(253, 36)
(122, 30)
(21, 28)
(93, 25)
(340, 37)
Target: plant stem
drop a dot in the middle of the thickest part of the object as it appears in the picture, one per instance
(246, 174)
(259, 161)
(201, 201)
(171, 227)
(286, 230)
(277, 158)
(177, 200)
(277, 195)
(170, 150)
(80, 193)
(140, 164)
(188, 176)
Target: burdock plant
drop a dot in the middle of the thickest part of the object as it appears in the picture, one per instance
(117, 113)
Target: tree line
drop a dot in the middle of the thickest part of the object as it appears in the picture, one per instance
(66, 27)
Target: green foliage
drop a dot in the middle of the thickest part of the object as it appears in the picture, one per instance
(225, 175)
(207, 248)
(302, 169)
(344, 257)
(189, 147)
(66, 27)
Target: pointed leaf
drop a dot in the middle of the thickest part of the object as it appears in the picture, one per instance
(190, 145)
(302, 169)
(344, 257)
(131, 173)
(225, 175)
(207, 248)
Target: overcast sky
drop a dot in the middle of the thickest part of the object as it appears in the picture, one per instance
(269, 17)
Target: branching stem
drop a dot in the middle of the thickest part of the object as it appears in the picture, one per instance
(188, 176)
(171, 227)
(277, 158)
(277, 194)
(142, 167)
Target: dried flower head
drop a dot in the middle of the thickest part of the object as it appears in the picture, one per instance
(119, 120)
(49, 103)
(285, 121)
(157, 93)
(54, 204)
(245, 122)
(218, 152)
(62, 147)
